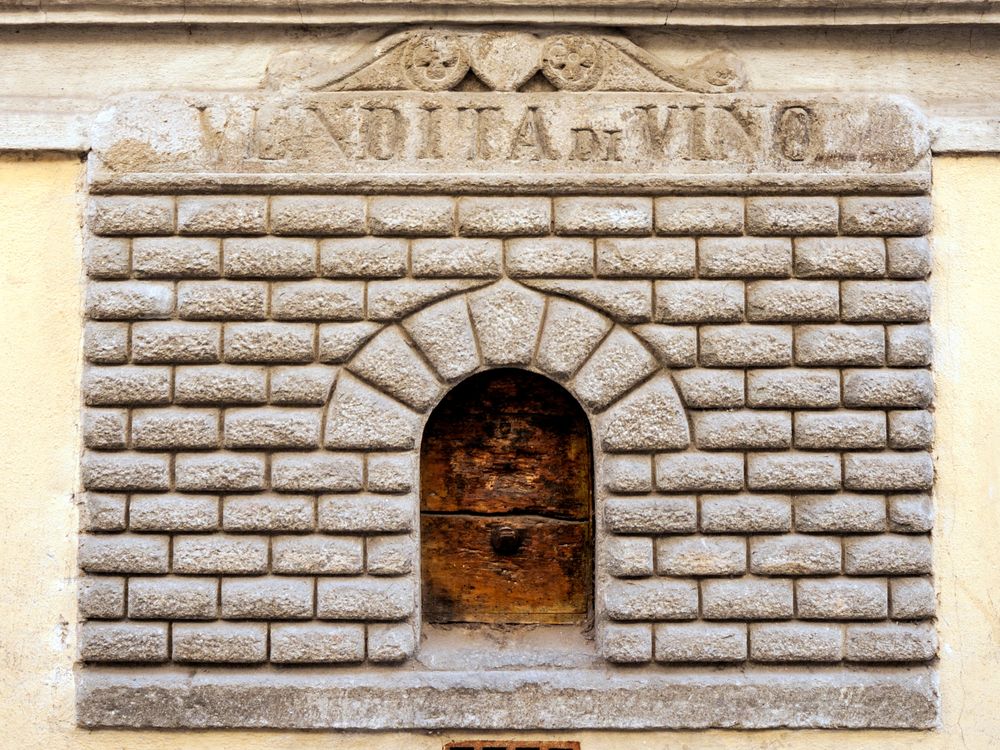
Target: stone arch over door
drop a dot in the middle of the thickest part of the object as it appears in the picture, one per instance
(386, 390)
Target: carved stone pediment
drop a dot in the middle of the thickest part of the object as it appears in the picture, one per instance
(441, 60)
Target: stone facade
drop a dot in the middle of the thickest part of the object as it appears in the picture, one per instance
(750, 344)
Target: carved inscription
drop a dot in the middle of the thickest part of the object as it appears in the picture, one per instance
(525, 138)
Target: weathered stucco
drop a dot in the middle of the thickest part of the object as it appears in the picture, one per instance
(41, 271)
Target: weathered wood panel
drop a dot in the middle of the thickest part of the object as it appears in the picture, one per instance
(506, 503)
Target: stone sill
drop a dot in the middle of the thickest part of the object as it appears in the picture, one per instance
(551, 699)
(719, 13)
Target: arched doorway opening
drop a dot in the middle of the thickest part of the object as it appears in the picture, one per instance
(506, 503)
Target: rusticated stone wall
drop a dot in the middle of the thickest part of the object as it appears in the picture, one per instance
(756, 370)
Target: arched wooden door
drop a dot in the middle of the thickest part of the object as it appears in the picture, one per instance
(506, 506)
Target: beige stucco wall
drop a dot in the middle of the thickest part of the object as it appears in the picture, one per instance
(39, 445)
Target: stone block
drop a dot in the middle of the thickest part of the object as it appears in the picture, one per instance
(318, 215)
(101, 597)
(101, 512)
(220, 642)
(219, 472)
(444, 334)
(651, 599)
(650, 418)
(106, 257)
(507, 318)
(796, 641)
(795, 555)
(105, 429)
(302, 386)
(626, 301)
(220, 385)
(792, 301)
(317, 643)
(171, 342)
(887, 554)
(268, 513)
(840, 512)
(221, 214)
(366, 513)
(911, 430)
(902, 215)
(450, 257)
(571, 332)
(390, 472)
(746, 514)
(604, 215)
(176, 258)
(912, 598)
(131, 214)
(673, 346)
(222, 300)
(792, 215)
(123, 642)
(411, 216)
(125, 472)
(840, 430)
(129, 300)
(627, 643)
(629, 557)
(745, 257)
(618, 364)
(911, 514)
(124, 553)
(742, 430)
(746, 599)
(891, 642)
(268, 342)
(885, 301)
(173, 598)
(267, 598)
(503, 216)
(391, 363)
(389, 555)
(711, 389)
(269, 257)
(567, 257)
(271, 428)
(745, 346)
(317, 472)
(359, 417)
(700, 301)
(840, 346)
(888, 389)
(699, 472)
(363, 258)
(793, 389)
(319, 300)
(793, 471)
(700, 642)
(697, 215)
(840, 257)
(392, 300)
(390, 642)
(645, 258)
(216, 554)
(338, 342)
(364, 599)
(651, 515)
(842, 598)
(173, 512)
(105, 343)
(701, 556)
(888, 472)
(908, 257)
(317, 555)
(909, 346)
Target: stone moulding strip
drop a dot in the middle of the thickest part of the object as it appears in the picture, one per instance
(552, 700)
(613, 142)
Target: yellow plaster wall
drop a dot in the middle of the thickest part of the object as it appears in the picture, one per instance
(40, 289)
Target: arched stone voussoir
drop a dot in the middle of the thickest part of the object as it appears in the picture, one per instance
(444, 334)
(360, 417)
(651, 418)
(570, 333)
(390, 362)
(507, 318)
(620, 363)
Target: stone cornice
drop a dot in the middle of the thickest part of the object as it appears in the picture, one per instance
(718, 13)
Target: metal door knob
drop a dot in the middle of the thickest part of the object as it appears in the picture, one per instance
(506, 540)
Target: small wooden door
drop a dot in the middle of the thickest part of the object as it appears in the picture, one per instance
(506, 528)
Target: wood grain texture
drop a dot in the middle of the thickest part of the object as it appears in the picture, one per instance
(506, 449)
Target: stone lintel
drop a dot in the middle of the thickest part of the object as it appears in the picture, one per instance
(509, 142)
(834, 698)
